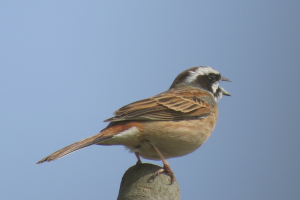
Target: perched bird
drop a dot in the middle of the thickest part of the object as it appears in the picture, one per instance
(171, 124)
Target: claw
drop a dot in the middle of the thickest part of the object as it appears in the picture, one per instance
(167, 169)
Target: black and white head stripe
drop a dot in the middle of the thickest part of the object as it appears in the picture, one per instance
(207, 78)
(202, 71)
(203, 77)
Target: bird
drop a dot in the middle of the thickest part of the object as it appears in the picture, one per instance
(171, 124)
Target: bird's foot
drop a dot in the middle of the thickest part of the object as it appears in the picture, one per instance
(167, 169)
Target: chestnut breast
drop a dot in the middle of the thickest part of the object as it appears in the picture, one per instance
(174, 138)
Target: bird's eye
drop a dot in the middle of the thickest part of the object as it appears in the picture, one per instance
(212, 77)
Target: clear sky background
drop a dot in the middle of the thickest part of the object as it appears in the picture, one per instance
(65, 66)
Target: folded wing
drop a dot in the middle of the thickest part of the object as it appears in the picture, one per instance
(170, 105)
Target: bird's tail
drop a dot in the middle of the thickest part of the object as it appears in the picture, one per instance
(73, 147)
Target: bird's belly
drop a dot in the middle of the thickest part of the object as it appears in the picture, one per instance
(173, 138)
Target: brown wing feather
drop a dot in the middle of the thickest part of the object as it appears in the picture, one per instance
(186, 103)
(135, 106)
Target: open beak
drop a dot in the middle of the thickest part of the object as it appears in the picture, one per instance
(224, 91)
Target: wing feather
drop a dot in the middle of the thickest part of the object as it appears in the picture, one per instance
(173, 104)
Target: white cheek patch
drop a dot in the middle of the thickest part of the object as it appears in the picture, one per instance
(215, 87)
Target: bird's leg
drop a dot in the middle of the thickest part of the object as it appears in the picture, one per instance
(166, 167)
(138, 157)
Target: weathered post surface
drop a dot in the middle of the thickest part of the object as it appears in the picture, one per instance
(138, 183)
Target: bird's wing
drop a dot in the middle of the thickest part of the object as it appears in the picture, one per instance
(187, 103)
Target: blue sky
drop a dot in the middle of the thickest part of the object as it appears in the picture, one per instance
(65, 66)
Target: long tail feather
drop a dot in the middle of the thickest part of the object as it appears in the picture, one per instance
(73, 147)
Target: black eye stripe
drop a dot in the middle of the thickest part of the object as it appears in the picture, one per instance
(214, 77)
